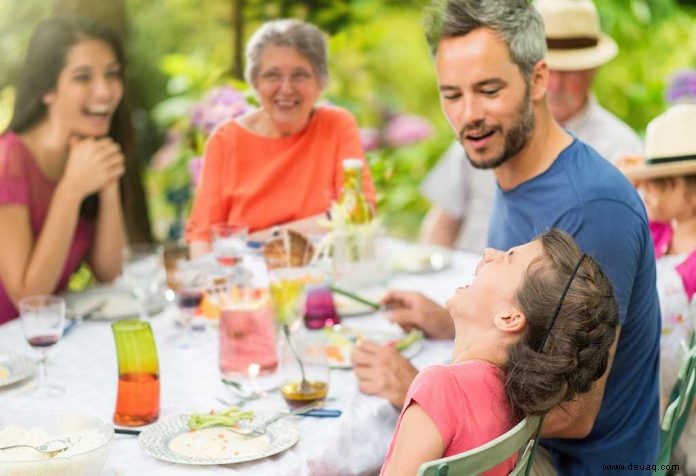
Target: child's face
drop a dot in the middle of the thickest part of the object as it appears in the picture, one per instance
(498, 277)
(667, 202)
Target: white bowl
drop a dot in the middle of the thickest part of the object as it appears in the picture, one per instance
(86, 455)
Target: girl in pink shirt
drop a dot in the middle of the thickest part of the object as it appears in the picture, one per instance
(60, 163)
(532, 331)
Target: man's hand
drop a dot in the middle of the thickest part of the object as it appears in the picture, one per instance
(412, 309)
(382, 371)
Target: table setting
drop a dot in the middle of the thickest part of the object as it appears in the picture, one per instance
(196, 368)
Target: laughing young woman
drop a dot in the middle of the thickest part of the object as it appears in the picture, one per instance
(282, 162)
(60, 163)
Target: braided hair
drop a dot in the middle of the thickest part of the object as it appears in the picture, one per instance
(550, 366)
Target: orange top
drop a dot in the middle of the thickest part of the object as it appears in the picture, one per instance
(264, 181)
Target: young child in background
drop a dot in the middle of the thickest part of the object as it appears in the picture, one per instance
(666, 179)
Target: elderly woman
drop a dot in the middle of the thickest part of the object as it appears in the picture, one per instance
(282, 162)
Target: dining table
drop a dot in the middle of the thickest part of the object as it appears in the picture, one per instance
(84, 364)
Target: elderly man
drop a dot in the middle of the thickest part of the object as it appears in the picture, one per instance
(493, 83)
(462, 196)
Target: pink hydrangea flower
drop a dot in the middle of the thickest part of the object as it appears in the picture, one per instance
(369, 138)
(407, 129)
(217, 106)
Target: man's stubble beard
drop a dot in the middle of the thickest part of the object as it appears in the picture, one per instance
(515, 140)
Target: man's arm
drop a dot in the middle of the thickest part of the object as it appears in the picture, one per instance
(439, 227)
(576, 418)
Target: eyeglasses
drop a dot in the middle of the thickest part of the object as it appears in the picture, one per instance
(276, 77)
(549, 326)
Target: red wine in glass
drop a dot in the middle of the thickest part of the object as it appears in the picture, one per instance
(189, 299)
(42, 341)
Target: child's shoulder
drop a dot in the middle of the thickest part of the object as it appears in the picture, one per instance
(467, 374)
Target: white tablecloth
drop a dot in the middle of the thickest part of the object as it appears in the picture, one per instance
(356, 443)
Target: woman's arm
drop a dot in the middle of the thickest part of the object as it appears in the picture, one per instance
(106, 257)
(33, 265)
(29, 266)
(417, 441)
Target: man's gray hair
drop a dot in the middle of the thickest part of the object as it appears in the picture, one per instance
(517, 23)
(304, 37)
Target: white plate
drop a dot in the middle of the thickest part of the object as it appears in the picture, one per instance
(14, 368)
(408, 257)
(348, 336)
(114, 302)
(156, 439)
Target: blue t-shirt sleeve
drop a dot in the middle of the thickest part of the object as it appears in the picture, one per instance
(614, 235)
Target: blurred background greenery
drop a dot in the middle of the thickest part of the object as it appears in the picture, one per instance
(179, 49)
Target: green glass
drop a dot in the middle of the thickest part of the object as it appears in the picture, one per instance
(138, 398)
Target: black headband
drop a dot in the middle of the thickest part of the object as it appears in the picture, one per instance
(549, 326)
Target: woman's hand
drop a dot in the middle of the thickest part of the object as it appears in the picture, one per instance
(92, 165)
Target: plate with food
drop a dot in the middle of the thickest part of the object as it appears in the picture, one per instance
(341, 340)
(215, 438)
(408, 257)
(108, 303)
(14, 368)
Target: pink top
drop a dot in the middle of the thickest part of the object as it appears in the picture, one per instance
(467, 404)
(662, 237)
(23, 183)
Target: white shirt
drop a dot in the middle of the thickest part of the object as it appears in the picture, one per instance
(465, 192)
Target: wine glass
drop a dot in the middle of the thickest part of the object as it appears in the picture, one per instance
(229, 242)
(142, 265)
(189, 280)
(43, 320)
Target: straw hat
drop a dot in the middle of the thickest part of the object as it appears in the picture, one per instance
(573, 35)
(670, 146)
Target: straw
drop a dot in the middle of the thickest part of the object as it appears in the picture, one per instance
(355, 297)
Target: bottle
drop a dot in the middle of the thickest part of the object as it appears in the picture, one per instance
(352, 199)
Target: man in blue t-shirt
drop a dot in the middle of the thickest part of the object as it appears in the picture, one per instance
(493, 81)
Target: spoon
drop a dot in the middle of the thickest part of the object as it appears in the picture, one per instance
(246, 392)
(305, 386)
(51, 448)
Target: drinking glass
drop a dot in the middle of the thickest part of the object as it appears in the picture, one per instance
(229, 242)
(287, 286)
(248, 336)
(320, 310)
(303, 357)
(142, 265)
(138, 397)
(43, 319)
(189, 280)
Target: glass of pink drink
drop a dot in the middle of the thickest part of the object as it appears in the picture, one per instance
(248, 336)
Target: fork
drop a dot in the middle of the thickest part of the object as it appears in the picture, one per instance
(260, 428)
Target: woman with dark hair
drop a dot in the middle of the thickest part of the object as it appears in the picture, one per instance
(60, 162)
(532, 331)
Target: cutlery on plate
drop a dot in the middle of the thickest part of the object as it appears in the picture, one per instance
(259, 429)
